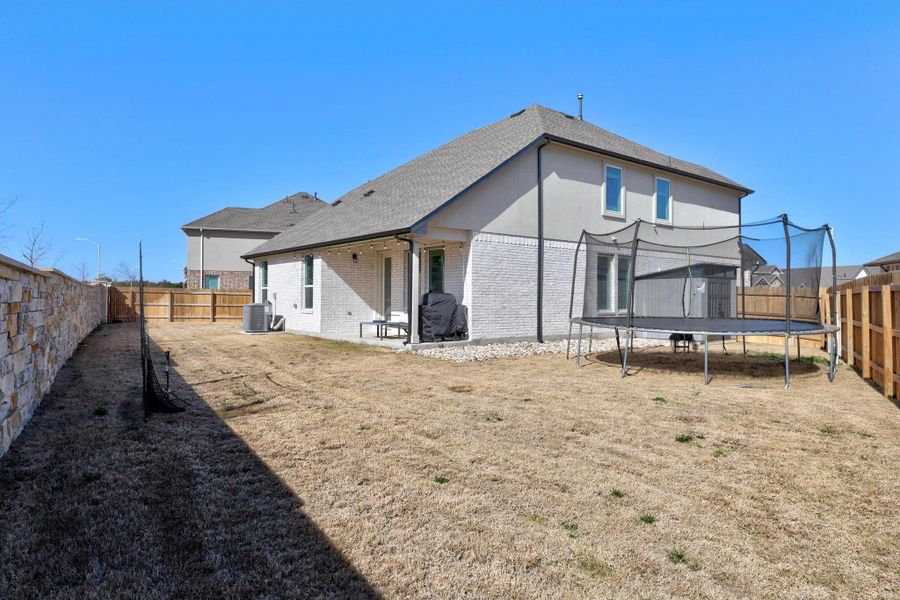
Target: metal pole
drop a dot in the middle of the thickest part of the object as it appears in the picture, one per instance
(787, 302)
(631, 272)
(625, 360)
(835, 320)
(705, 359)
(578, 356)
(591, 340)
(540, 253)
(572, 294)
(619, 348)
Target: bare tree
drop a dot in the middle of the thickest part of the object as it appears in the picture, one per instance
(37, 245)
(127, 273)
(81, 269)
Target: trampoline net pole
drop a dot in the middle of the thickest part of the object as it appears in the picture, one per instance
(572, 294)
(835, 320)
(787, 301)
(631, 273)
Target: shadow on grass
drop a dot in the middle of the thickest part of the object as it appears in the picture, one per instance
(102, 504)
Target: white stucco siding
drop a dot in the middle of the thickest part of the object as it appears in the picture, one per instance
(285, 291)
(506, 203)
(222, 250)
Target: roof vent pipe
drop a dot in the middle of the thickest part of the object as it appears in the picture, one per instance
(581, 107)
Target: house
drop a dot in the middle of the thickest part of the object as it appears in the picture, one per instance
(492, 217)
(772, 276)
(891, 262)
(215, 242)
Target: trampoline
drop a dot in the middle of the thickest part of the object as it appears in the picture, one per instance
(757, 279)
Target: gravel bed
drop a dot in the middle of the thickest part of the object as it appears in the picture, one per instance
(511, 350)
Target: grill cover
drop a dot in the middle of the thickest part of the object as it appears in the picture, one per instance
(440, 317)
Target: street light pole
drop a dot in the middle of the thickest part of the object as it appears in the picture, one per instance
(84, 239)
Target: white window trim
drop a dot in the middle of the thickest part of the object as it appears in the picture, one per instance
(612, 289)
(443, 250)
(307, 264)
(263, 280)
(620, 214)
(656, 218)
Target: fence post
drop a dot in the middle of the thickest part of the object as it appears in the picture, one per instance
(212, 306)
(866, 342)
(850, 357)
(887, 335)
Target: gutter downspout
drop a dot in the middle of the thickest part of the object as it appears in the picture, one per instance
(540, 252)
(201, 258)
(409, 290)
(252, 276)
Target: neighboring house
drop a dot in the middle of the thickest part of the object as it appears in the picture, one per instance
(891, 262)
(471, 218)
(767, 275)
(216, 242)
(772, 276)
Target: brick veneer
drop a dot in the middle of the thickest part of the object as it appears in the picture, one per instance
(228, 280)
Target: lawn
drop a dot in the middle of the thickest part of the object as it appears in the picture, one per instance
(308, 468)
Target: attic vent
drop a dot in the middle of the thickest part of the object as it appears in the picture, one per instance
(369, 193)
(568, 116)
(516, 114)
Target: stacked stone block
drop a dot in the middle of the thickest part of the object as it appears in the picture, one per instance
(43, 317)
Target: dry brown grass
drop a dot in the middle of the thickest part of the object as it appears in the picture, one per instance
(412, 477)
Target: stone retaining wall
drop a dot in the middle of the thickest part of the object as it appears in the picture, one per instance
(44, 314)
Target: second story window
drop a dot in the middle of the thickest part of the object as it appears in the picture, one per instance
(663, 212)
(613, 200)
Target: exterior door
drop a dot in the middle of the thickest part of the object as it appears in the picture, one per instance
(719, 298)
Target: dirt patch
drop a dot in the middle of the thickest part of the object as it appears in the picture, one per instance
(305, 467)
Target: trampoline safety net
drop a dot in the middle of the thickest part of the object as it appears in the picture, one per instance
(759, 278)
(716, 279)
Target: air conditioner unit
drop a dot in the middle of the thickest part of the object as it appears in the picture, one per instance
(255, 318)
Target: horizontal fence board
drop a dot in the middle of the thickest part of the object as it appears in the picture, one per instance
(177, 304)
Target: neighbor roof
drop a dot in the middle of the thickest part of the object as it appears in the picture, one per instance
(885, 260)
(274, 218)
(406, 196)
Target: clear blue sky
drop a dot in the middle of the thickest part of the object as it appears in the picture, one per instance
(122, 121)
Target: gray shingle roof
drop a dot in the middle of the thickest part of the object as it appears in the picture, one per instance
(275, 217)
(885, 260)
(405, 196)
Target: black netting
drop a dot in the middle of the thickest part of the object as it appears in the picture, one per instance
(688, 277)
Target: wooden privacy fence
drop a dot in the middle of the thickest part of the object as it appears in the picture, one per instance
(765, 302)
(870, 328)
(177, 304)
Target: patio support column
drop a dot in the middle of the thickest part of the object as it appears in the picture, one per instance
(413, 292)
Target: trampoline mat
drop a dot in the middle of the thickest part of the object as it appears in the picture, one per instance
(713, 326)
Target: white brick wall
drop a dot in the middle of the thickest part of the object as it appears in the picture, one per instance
(504, 287)
(495, 276)
(348, 290)
(285, 279)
